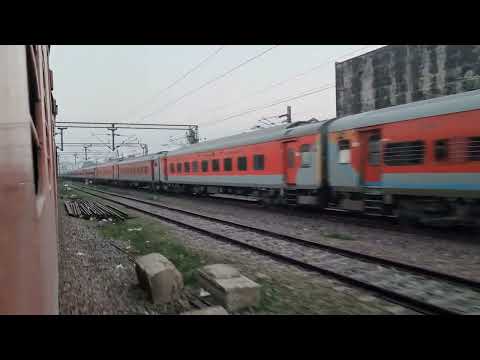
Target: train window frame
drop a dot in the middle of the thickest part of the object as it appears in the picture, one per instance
(259, 162)
(227, 164)
(36, 119)
(179, 167)
(403, 158)
(216, 165)
(195, 166)
(204, 165)
(473, 148)
(344, 151)
(242, 163)
(46, 105)
(186, 166)
(306, 155)
(439, 146)
(374, 158)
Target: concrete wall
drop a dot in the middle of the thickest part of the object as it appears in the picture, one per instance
(399, 74)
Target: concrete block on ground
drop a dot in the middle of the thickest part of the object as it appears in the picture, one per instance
(211, 310)
(233, 290)
(158, 277)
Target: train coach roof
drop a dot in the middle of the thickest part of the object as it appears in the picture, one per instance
(137, 159)
(437, 106)
(253, 137)
(131, 160)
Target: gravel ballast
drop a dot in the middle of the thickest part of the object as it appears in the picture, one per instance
(456, 253)
(95, 278)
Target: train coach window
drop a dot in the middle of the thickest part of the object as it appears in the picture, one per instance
(474, 149)
(404, 153)
(215, 165)
(227, 164)
(186, 166)
(195, 166)
(305, 151)
(204, 165)
(242, 163)
(34, 105)
(441, 150)
(258, 162)
(344, 152)
(179, 167)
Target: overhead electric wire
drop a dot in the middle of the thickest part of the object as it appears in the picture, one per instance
(216, 78)
(175, 82)
(106, 144)
(276, 84)
(313, 114)
(279, 101)
(253, 109)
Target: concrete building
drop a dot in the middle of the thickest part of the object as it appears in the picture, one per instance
(399, 74)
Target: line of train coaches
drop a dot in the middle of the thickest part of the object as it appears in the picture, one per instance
(419, 161)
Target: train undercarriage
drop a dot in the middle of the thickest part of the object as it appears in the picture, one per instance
(411, 209)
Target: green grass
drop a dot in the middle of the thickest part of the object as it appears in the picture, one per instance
(273, 297)
(67, 194)
(276, 297)
(282, 300)
(152, 238)
(155, 238)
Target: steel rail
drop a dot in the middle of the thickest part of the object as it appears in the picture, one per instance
(345, 252)
(389, 295)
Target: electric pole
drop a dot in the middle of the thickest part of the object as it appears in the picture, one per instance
(61, 136)
(75, 156)
(113, 129)
(288, 115)
(86, 147)
(192, 135)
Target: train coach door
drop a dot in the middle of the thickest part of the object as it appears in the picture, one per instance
(164, 169)
(152, 170)
(371, 155)
(290, 151)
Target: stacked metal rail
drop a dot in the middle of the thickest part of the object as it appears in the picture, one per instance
(92, 209)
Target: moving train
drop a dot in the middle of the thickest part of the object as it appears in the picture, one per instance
(418, 161)
(28, 182)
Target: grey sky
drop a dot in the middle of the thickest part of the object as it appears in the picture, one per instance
(118, 83)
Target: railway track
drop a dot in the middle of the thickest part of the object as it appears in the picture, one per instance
(422, 290)
(381, 222)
